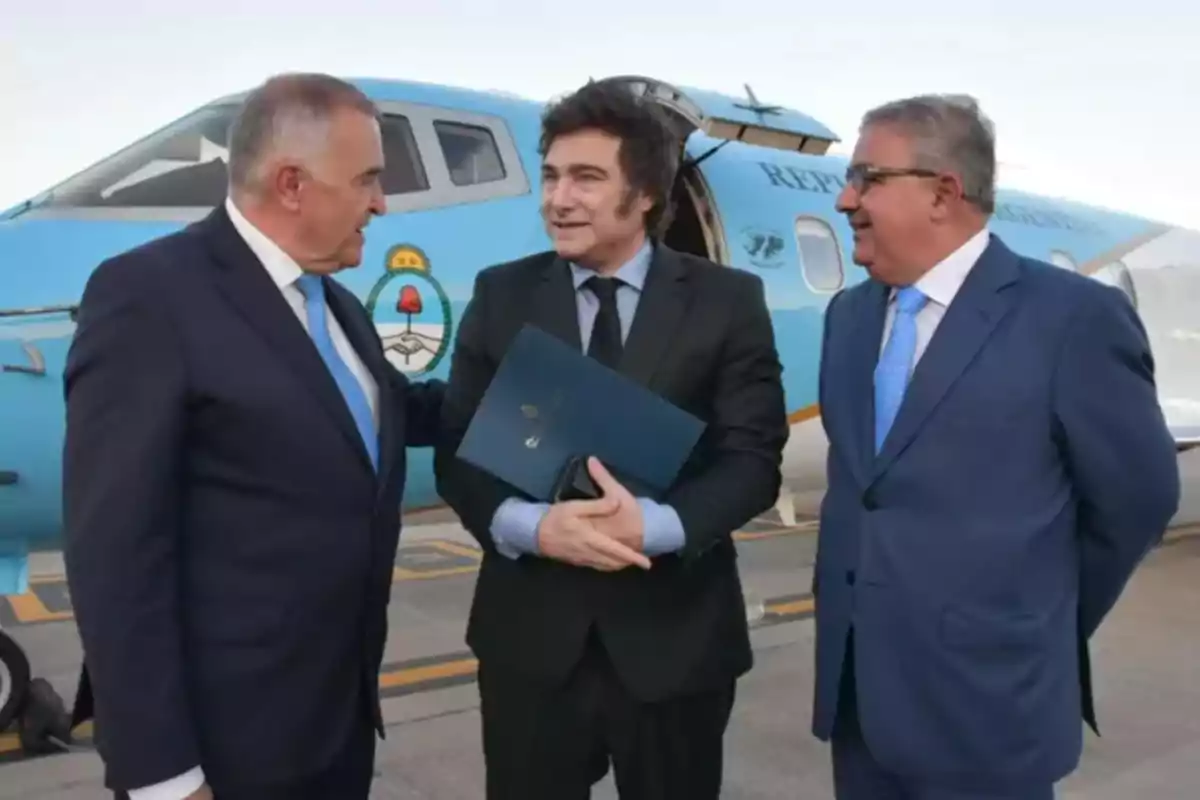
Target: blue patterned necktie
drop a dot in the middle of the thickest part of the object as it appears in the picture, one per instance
(895, 365)
(318, 328)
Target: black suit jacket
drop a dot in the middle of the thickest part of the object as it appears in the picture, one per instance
(229, 548)
(702, 338)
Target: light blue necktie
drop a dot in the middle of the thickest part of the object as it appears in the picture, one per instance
(895, 365)
(318, 328)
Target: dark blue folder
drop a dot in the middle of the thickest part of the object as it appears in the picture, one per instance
(549, 402)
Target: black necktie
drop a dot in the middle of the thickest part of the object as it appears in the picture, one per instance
(605, 345)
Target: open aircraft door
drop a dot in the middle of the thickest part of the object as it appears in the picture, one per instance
(724, 117)
(697, 227)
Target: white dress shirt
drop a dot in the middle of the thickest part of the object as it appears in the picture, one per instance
(940, 284)
(284, 271)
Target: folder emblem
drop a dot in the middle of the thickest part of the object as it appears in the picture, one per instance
(531, 412)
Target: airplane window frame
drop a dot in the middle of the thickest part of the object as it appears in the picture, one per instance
(828, 231)
(440, 193)
(481, 133)
(124, 156)
(443, 191)
(401, 125)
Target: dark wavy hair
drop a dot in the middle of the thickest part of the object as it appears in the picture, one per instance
(649, 151)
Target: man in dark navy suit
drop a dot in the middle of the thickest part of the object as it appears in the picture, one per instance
(998, 466)
(234, 467)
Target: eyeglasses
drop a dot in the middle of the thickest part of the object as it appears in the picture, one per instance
(861, 176)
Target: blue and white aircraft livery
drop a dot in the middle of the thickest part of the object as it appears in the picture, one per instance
(756, 192)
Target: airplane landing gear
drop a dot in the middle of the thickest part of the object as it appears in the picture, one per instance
(43, 724)
(14, 680)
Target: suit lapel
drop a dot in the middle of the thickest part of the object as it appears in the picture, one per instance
(365, 342)
(977, 309)
(249, 289)
(553, 303)
(660, 310)
(871, 312)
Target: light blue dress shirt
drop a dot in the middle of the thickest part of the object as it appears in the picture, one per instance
(515, 524)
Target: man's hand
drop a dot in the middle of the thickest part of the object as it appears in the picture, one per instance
(569, 533)
(626, 524)
(203, 793)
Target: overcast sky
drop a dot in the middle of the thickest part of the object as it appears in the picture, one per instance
(1097, 101)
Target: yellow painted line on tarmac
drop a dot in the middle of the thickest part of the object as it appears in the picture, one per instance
(415, 678)
(782, 530)
(424, 559)
(29, 607)
(455, 669)
(400, 574)
(792, 608)
(455, 548)
(1178, 534)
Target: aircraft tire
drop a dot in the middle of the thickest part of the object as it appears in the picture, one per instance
(14, 680)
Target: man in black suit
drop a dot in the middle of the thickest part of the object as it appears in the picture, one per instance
(233, 471)
(582, 658)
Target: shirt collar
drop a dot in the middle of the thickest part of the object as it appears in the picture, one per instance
(632, 272)
(941, 283)
(282, 268)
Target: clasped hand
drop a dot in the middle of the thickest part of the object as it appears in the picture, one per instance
(604, 534)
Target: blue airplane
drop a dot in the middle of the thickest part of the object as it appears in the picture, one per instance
(756, 192)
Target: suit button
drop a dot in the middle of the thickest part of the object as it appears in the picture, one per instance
(850, 577)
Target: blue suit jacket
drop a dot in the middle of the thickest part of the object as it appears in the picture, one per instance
(229, 547)
(1027, 473)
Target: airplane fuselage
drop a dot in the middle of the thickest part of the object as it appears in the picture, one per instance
(462, 193)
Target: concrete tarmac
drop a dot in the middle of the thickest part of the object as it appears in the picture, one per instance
(1145, 661)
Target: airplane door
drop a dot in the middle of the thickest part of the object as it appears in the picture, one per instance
(724, 117)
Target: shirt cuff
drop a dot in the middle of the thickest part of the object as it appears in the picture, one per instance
(515, 525)
(662, 530)
(176, 788)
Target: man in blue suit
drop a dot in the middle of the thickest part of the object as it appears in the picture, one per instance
(998, 466)
(233, 469)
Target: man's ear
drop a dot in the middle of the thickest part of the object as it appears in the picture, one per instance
(947, 191)
(287, 181)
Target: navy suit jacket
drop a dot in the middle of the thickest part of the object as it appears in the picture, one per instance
(1027, 473)
(229, 548)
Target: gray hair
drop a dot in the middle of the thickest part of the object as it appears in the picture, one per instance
(949, 133)
(287, 115)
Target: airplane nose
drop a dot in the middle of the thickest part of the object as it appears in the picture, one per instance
(33, 347)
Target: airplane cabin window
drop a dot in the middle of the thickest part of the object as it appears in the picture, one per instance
(404, 172)
(433, 158)
(471, 153)
(183, 165)
(186, 166)
(820, 255)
